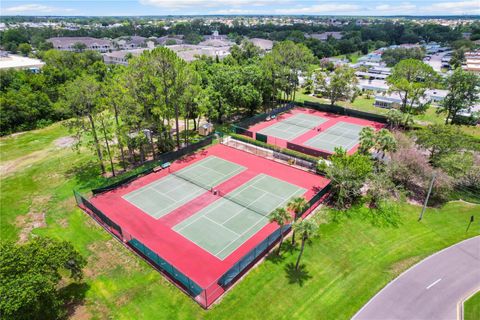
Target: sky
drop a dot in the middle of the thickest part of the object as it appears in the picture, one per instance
(238, 7)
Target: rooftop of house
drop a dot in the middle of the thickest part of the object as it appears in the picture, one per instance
(70, 41)
(324, 36)
(216, 43)
(263, 44)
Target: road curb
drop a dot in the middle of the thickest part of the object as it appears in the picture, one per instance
(412, 267)
(461, 303)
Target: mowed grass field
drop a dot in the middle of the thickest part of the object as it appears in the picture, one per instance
(471, 307)
(350, 259)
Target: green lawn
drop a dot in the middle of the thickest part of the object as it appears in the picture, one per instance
(353, 56)
(471, 307)
(344, 266)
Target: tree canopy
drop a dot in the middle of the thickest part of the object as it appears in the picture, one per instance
(30, 276)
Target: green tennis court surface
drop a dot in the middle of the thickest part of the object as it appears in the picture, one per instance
(342, 134)
(171, 192)
(226, 224)
(293, 127)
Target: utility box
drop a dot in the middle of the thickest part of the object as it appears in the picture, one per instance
(205, 129)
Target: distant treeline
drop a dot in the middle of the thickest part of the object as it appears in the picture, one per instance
(355, 38)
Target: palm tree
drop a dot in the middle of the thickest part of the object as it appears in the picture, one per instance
(281, 217)
(307, 229)
(367, 139)
(298, 205)
(385, 142)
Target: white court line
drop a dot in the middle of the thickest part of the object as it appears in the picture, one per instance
(249, 184)
(434, 283)
(221, 225)
(262, 217)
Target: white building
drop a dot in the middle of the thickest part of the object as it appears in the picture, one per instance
(121, 56)
(325, 35)
(264, 44)
(69, 43)
(377, 86)
(472, 61)
(11, 61)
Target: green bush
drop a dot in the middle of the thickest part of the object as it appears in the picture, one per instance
(289, 152)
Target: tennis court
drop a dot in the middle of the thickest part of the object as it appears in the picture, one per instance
(171, 192)
(227, 223)
(293, 127)
(342, 134)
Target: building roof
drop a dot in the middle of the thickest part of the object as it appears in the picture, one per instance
(70, 41)
(376, 85)
(11, 61)
(163, 40)
(135, 40)
(216, 43)
(263, 44)
(189, 52)
(371, 75)
(324, 36)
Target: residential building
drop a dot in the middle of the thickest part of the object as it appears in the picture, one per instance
(216, 43)
(12, 61)
(264, 44)
(170, 40)
(378, 86)
(69, 43)
(216, 36)
(436, 95)
(121, 56)
(370, 75)
(325, 35)
(472, 61)
(133, 42)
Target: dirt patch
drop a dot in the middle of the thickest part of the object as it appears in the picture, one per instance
(11, 166)
(16, 134)
(414, 202)
(402, 265)
(109, 255)
(29, 222)
(35, 218)
(63, 223)
(80, 313)
(65, 142)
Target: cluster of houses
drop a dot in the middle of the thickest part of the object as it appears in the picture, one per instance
(118, 51)
(372, 79)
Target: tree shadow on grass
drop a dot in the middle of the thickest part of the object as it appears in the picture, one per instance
(86, 175)
(386, 215)
(297, 276)
(274, 257)
(287, 246)
(73, 296)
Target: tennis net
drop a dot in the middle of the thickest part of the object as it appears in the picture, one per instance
(248, 205)
(352, 134)
(198, 182)
(303, 124)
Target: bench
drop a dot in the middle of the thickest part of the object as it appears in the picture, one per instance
(161, 167)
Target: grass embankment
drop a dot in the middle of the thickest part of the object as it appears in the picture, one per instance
(344, 266)
(471, 307)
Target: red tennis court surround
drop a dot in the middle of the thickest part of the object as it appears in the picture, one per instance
(331, 121)
(190, 259)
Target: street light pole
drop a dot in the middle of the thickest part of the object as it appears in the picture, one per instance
(426, 199)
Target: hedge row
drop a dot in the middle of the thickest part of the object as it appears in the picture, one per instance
(286, 151)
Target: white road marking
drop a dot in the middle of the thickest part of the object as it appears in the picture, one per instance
(434, 283)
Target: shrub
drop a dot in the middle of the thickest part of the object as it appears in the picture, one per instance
(410, 168)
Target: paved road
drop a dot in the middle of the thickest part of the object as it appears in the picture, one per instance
(431, 289)
(436, 61)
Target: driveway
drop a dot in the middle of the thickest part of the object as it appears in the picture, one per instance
(431, 289)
